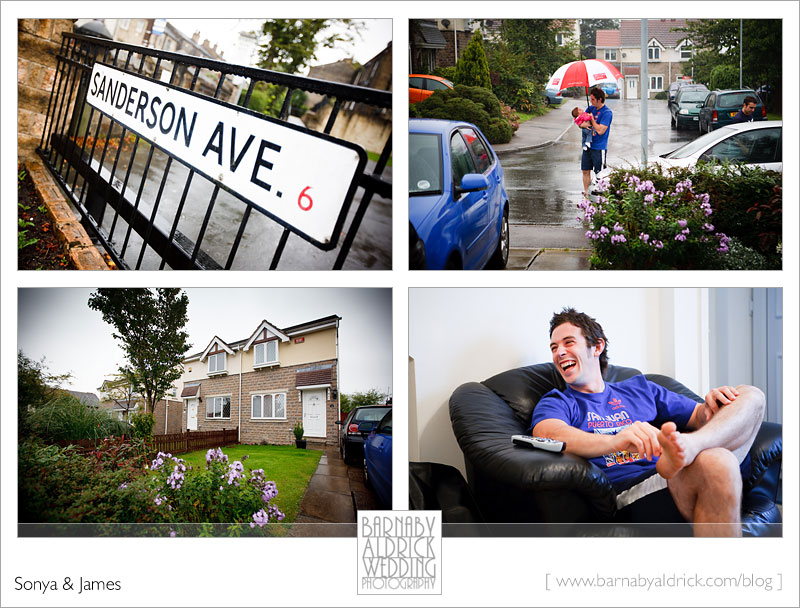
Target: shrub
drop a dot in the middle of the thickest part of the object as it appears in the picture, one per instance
(223, 493)
(63, 485)
(65, 418)
(143, 424)
(470, 104)
(447, 72)
(298, 431)
(661, 95)
(472, 68)
(634, 225)
(724, 76)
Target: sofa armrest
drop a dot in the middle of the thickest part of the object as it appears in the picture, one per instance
(766, 455)
(483, 424)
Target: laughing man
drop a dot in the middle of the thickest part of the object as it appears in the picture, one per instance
(654, 445)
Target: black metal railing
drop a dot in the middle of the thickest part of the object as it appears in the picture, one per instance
(148, 207)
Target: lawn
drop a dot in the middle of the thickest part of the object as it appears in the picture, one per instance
(290, 468)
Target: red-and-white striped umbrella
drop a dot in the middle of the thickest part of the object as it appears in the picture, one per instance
(586, 73)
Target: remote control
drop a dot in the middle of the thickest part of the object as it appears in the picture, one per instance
(540, 443)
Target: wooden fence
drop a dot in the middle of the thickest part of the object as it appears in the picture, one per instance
(174, 443)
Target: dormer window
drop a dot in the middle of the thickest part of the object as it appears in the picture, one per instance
(266, 353)
(217, 364)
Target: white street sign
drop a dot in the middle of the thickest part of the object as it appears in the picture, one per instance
(299, 177)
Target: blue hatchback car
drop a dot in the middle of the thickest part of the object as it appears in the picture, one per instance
(458, 206)
(378, 459)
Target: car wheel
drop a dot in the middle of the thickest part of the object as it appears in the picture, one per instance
(347, 456)
(500, 256)
(453, 263)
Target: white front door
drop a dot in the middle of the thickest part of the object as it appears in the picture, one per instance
(314, 412)
(191, 414)
(631, 92)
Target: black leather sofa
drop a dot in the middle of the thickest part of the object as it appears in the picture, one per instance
(514, 484)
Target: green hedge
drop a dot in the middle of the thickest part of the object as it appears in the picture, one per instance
(477, 105)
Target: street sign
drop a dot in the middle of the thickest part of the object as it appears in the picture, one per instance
(303, 179)
(159, 25)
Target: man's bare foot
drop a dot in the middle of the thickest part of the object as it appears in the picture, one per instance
(675, 456)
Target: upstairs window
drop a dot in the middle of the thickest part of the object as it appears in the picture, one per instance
(266, 353)
(216, 363)
(611, 55)
(653, 53)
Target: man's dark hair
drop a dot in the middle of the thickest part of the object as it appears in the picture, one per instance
(590, 329)
(749, 99)
(598, 93)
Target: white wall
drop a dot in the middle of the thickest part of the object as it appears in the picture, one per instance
(468, 335)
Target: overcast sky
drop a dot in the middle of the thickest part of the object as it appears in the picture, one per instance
(59, 325)
(374, 37)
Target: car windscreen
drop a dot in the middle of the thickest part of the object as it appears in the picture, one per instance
(700, 143)
(693, 96)
(734, 100)
(424, 163)
(372, 414)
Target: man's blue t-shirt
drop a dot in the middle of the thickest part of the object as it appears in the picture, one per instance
(602, 116)
(618, 406)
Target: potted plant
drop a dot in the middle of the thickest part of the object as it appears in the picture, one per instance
(299, 442)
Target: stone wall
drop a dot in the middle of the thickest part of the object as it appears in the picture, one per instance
(37, 46)
(173, 416)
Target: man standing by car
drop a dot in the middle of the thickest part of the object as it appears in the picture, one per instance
(592, 159)
(746, 113)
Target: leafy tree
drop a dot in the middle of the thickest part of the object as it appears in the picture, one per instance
(371, 397)
(535, 41)
(293, 43)
(724, 77)
(589, 29)
(149, 323)
(472, 68)
(35, 387)
(717, 43)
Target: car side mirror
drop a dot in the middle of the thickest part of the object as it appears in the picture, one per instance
(472, 182)
(366, 427)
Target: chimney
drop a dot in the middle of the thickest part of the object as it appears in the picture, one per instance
(196, 36)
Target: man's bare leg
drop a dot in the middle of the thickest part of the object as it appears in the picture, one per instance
(702, 466)
(587, 180)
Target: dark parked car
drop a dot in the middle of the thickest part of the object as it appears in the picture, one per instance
(721, 106)
(685, 108)
(351, 439)
(378, 459)
(677, 86)
(458, 206)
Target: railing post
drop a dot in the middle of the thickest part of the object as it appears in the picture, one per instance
(187, 439)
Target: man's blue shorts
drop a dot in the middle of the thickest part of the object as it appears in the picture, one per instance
(592, 159)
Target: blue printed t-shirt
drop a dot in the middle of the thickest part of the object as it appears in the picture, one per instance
(602, 116)
(618, 406)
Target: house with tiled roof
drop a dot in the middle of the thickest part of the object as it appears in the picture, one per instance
(667, 53)
(266, 383)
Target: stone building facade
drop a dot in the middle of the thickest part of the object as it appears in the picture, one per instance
(265, 384)
(38, 43)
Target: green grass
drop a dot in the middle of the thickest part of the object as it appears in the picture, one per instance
(291, 469)
(374, 156)
(524, 117)
(771, 116)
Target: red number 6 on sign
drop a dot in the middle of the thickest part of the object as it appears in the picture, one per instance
(302, 196)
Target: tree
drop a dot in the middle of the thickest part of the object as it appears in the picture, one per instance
(371, 397)
(472, 68)
(35, 387)
(293, 43)
(536, 41)
(589, 29)
(149, 323)
(716, 43)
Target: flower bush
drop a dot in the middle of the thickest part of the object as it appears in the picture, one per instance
(224, 492)
(116, 484)
(638, 226)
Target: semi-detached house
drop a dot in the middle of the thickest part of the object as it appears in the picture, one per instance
(264, 384)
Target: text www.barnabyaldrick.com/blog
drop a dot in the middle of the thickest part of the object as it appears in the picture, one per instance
(660, 582)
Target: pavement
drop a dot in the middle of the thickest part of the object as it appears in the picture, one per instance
(334, 494)
(544, 246)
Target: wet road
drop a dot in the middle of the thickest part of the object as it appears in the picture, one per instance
(544, 184)
(372, 248)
